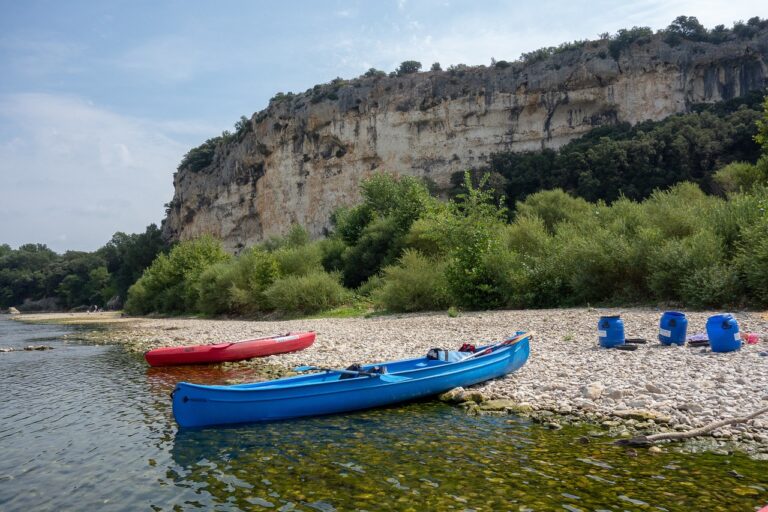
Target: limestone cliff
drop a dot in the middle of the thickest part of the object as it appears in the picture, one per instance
(304, 156)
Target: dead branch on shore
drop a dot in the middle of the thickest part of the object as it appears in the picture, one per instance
(676, 436)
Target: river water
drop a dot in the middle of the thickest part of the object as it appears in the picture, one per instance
(86, 427)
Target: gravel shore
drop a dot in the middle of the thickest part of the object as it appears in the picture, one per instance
(667, 388)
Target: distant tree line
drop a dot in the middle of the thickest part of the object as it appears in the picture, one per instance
(34, 277)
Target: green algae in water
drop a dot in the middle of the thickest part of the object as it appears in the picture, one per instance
(429, 456)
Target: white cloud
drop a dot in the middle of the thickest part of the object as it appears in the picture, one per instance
(81, 171)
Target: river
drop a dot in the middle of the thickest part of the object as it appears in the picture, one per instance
(85, 427)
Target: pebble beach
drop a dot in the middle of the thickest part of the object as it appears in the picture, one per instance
(568, 375)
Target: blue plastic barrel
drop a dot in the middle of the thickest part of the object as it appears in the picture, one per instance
(672, 328)
(723, 333)
(610, 331)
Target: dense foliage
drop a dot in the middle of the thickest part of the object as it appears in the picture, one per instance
(632, 161)
(283, 274)
(35, 277)
(645, 230)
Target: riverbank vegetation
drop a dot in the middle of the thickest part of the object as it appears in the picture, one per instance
(668, 212)
(35, 278)
(401, 249)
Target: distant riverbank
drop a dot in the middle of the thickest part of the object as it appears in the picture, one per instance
(567, 378)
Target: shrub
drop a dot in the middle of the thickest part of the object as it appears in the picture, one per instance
(200, 157)
(595, 263)
(415, 283)
(254, 272)
(553, 207)
(730, 218)
(752, 258)
(712, 286)
(300, 260)
(507, 278)
(676, 259)
(297, 236)
(625, 37)
(527, 235)
(378, 246)
(407, 67)
(332, 254)
(216, 285)
(424, 237)
(171, 283)
(305, 294)
(679, 211)
(739, 177)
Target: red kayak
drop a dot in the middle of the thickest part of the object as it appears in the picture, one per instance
(233, 351)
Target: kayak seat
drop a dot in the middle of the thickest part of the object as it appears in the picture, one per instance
(380, 369)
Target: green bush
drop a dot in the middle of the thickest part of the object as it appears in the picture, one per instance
(407, 67)
(679, 211)
(332, 254)
(553, 207)
(595, 263)
(527, 235)
(712, 286)
(216, 285)
(740, 177)
(508, 278)
(677, 259)
(299, 260)
(752, 258)
(424, 237)
(305, 294)
(255, 270)
(297, 236)
(378, 246)
(415, 283)
(171, 283)
(370, 286)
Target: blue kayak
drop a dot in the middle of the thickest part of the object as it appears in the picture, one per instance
(332, 391)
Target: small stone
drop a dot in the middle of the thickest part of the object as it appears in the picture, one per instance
(505, 404)
(475, 396)
(653, 388)
(655, 449)
(454, 396)
(593, 390)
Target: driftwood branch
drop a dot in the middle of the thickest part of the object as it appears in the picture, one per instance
(676, 436)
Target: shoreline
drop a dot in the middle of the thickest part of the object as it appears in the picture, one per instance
(567, 378)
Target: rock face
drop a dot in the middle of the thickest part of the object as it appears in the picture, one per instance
(305, 155)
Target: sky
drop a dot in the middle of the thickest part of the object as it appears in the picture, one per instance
(100, 100)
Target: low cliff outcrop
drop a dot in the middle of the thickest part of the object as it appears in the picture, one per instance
(304, 156)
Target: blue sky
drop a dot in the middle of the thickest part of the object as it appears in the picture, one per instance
(100, 100)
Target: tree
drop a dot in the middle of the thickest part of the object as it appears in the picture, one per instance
(374, 73)
(172, 283)
(435, 67)
(408, 67)
(128, 255)
(762, 128)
